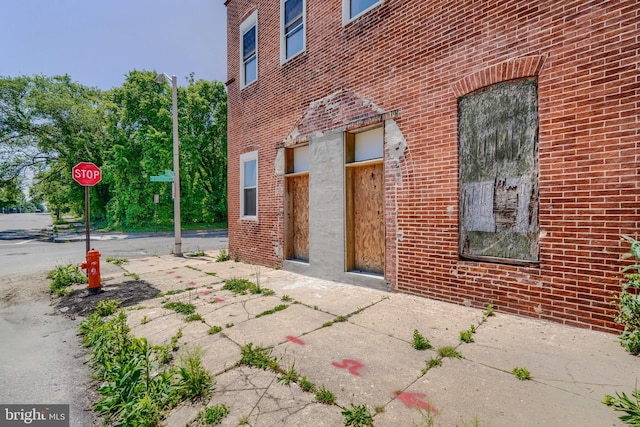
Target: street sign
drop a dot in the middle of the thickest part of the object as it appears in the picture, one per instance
(86, 174)
(161, 178)
(167, 176)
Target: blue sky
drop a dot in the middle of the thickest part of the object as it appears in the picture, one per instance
(97, 42)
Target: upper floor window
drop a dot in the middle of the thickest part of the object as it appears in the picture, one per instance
(292, 28)
(351, 9)
(249, 50)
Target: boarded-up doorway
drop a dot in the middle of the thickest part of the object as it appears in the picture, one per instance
(297, 204)
(365, 237)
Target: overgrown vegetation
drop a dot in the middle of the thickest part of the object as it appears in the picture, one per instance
(630, 406)
(325, 396)
(213, 415)
(419, 341)
(244, 286)
(628, 302)
(117, 261)
(273, 310)
(467, 336)
(62, 122)
(63, 276)
(180, 307)
(223, 256)
(135, 389)
(107, 307)
(357, 416)
(450, 352)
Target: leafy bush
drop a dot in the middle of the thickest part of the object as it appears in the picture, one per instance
(628, 303)
(623, 403)
(63, 276)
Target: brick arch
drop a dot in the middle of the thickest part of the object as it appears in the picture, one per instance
(507, 70)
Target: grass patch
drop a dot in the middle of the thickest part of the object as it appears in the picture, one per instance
(63, 276)
(244, 286)
(306, 385)
(325, 396)
(214, 330)
(273, 310)
(258, 357)
(194, 317)
(288, 376)
(135, 389)
(117, 261)
(223, 256)
(450, 352)
(106, 308)
(180, 307)
(213, 415)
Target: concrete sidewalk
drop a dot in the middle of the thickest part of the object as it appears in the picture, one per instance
(357, 343)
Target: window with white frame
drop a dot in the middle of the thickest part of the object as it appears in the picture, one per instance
(351, 9)
(249, 50)
(249, 185)
(292, 40)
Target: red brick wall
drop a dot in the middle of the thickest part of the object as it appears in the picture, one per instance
(419, 57)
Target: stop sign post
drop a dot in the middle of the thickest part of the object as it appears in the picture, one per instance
(86, 174)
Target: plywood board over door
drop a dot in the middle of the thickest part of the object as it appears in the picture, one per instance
(367, 186)
(298, 217)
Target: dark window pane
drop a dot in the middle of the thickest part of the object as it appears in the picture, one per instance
(249, 42)
(250, 202)
(358, 6)
(292, 10)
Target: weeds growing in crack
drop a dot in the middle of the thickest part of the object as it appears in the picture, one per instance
(467, 336)
(357, 416)
(419, 341)
(214, 330)
(307, 385)
(212, 415)
(522, 374)
(288, 376)
(258, 357)
(450, 352)
(325, 396)
(273, 310)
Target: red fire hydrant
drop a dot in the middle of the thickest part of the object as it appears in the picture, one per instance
(92, 265)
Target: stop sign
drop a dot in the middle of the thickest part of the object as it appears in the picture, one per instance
(86, 173)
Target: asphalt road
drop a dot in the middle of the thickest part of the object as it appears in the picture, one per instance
(40, 358)
(23, 248)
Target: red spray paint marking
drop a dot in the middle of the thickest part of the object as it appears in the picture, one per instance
(416, 400)
(178, 277)
(193, 283)
(170, 272)
(351, 365)
(205, 292)
(218, 299)
(295, 340)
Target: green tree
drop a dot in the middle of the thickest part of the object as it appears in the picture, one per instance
(47, 125)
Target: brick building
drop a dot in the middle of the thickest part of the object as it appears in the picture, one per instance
(471, 152)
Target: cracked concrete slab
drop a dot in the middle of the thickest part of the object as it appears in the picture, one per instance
(369, 359)
(440, 323)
